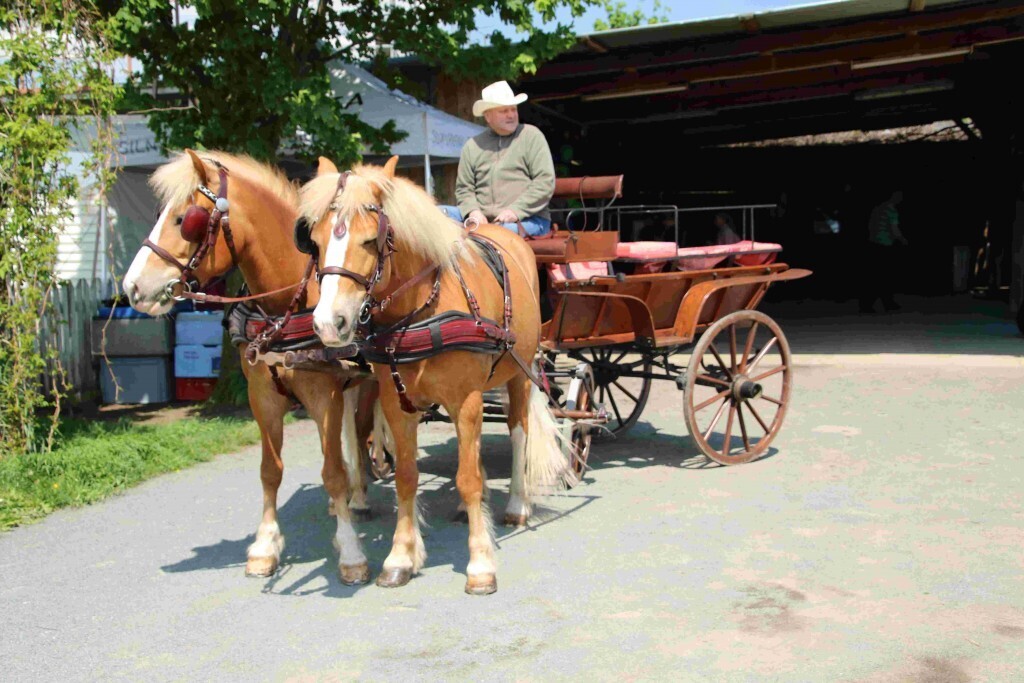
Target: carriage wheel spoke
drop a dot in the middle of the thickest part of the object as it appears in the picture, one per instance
(749, 347)
(763, 375)
(732, 348)
(760, 354)
(715, 380)
(721, 363)
(615, 406)
(620, 357)
(772, 400)
(728, 430)
(625, 391)
(743, 427)
(758, 418)
(701, 406)
(715, 419)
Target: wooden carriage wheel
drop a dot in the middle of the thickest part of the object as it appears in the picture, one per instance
(737, 387)
(623, 396)
(577, 435)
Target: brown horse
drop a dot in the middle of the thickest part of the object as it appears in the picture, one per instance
(382, 238)
(263, 206)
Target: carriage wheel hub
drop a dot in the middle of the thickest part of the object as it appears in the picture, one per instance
(743, 389)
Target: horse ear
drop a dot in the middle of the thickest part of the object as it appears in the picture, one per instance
(326, 166)
(389, 167)
(200, 167)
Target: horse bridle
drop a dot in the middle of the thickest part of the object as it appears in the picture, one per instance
(199, 227)
(385, 248)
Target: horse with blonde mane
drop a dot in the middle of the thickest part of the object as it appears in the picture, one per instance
(389, 261)
(263, 206)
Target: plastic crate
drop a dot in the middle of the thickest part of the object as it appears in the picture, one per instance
(142, 379)
(196, 361)
(193, 388)
(199, 328)
(131, 337)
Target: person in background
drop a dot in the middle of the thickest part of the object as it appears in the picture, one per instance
(506, 174)
(883, 236)
(725, 229)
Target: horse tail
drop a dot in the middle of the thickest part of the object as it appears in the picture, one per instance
(546, 454)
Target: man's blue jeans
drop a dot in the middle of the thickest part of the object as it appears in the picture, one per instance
(534, 225)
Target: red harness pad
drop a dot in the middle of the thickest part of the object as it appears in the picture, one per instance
(436, 335)
(299, 328)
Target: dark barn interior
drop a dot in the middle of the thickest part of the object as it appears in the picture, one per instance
(822, 111)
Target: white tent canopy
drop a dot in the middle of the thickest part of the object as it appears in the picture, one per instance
(432, 132)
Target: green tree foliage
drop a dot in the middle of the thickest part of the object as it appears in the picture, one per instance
(253, 74)
(52, 77)
(619, 17)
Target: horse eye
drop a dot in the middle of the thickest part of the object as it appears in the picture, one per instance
(178, 219)
(371, 240)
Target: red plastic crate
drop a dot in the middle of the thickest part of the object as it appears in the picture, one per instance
(193, 388)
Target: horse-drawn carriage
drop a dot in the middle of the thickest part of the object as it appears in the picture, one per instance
(444, 316)
(620, 332)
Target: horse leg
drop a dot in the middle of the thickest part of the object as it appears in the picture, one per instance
(518, 509)
(354, 450)
(268, 407)
(407, 551)
(325, 410)
(481, 572)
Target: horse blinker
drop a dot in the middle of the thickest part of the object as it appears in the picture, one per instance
(194, 224)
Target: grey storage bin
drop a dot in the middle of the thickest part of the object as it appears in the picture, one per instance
(133, 337)
(142, 379)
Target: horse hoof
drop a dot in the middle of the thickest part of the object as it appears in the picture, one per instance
(460, 517)
(361, 514)
(482, 584)
(354, 575)
(394, 578)
(261, 567)
(514, 520)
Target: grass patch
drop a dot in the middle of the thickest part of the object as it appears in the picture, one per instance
(93, 460)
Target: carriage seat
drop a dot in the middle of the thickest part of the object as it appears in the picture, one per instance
(580, 270)
(744, 253)
(647, 250)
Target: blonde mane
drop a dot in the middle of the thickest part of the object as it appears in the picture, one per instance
(176, 181)
(419, 225)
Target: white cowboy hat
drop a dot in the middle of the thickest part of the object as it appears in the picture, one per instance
(497, 95)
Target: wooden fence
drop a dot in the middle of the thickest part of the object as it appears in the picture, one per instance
(66, 331)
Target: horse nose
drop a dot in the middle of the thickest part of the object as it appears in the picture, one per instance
(131, 290)
(341, 325)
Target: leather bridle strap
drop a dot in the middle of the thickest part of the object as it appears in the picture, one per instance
(218, 218)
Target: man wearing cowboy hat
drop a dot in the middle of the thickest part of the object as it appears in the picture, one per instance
(506, 175)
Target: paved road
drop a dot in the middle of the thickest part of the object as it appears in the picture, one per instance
(880, 541)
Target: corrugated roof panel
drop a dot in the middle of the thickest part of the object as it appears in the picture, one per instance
(814, 13)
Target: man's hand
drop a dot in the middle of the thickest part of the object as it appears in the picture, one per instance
(476, 216)
(506, 216)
